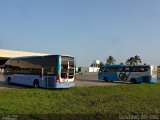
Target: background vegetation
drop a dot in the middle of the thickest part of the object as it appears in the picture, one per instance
(130, 61)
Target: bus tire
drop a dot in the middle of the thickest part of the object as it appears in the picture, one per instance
(106, 79)
(36, 84)
(133, 80)
(9, 80)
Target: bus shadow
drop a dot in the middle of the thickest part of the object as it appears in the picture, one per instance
(4, 85)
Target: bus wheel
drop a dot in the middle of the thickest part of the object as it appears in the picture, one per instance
(9, 80)
(36, 84)
(106, 79)
(133, 80)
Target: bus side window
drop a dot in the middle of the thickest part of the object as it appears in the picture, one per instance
(125, 69)
(109, 69)
(119, 69)
(141, 69)
(113, 69)
(130, 69)
(52, 69)
(133, 69)
(146, 68)
(137, 69)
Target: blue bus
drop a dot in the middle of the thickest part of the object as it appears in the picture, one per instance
(128, 73)
(51, 71)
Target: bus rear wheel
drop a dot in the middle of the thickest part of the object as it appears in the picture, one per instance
(106, 79)
(36, 84)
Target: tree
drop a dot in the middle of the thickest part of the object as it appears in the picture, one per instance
(110, 60)
(101, 64)
(98, 65)
(121, 63)
(137, 59)
(92, 65)
(134, 60)
(130, 61)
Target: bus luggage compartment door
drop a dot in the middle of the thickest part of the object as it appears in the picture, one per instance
(49, 82)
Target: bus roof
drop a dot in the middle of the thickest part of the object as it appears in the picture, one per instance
(121, 65)
(39, 56)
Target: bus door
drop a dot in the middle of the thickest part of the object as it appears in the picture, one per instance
(49, 71)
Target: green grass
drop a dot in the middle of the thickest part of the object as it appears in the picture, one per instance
(96, 102)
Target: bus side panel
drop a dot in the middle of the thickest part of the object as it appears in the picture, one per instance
(59, 65)
(101, 76)
(23, 79)
(146, 79)
(112, 76)
(153, 80)
(139, 79)
(138, 76)
(48, 82)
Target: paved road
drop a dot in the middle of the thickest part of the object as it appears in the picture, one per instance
(92, 80)
(82, 80)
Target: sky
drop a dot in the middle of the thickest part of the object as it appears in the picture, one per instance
(86, 29)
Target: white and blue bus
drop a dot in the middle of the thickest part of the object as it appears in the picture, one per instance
(51, 71)
(128, 73)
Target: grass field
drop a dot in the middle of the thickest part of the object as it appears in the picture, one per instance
(98, 102)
